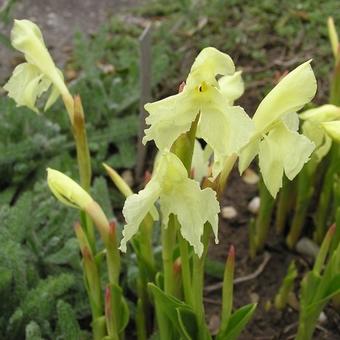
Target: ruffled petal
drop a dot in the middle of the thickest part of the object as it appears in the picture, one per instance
(231, 87)
(26, 85)
(169, 118)
(294, 91)
(208, 64)
(193, 207)
(282, 150)
(136, 207)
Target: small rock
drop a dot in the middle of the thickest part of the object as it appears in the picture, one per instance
(229, 212)
(322, 318)
(128, 177)
(214, 324)
(306, 246)
(254, 297)
(254, 205)
(250, 176)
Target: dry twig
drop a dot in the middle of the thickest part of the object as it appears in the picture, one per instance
(249, 277)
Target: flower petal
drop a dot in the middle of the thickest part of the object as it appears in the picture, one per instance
(291, 120)
(316, 133)
(323, 113)
(200, 162)
(286, 150)
(208, 64)
(231, 87)
(136, 207)
(26, 85)
(294, 91)
(270, 164)
(27, 38)
(247, 154)
(169, 118)
(193, 208)
(225, 128)
(333, 129)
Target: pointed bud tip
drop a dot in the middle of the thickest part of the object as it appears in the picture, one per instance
(177, 266)
(112, 227)
(147, 177)
(87, 253)
(332, 229)
(231, 253)
(181, 87)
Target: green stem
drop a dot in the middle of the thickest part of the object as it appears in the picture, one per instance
(168, 244)
(322, 212)
(198, 275)
(264, 218)
(284, 205)
(145, 242)
(304, 194)
(198, 280)
(92, 281)
(99, 328)
(228, 289)
(334, 97)
(305, 332)
(87, 225)
(140, 321)
(186, 270)
(84, 162)
(113, 256)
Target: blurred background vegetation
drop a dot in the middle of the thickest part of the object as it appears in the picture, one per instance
(40, 275)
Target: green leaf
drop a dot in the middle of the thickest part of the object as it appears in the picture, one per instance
(188, 323)
(180, 315)
(237, 322)
(122, 311)
(168, 304)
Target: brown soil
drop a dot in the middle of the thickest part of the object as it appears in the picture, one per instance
(270, 324)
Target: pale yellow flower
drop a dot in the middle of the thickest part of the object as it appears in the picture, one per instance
(178, 195)
(224, 127)
(276, 140)
(34, 77)
(320, 127)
